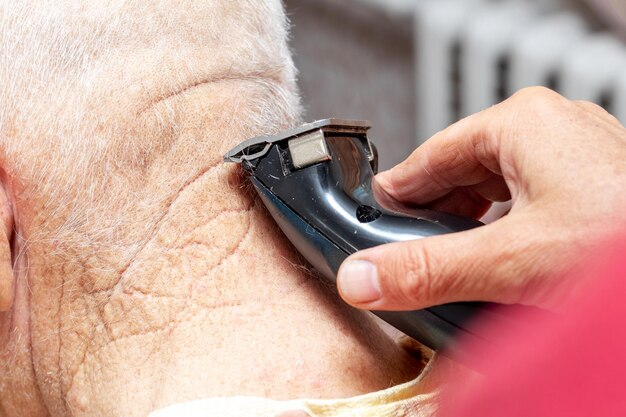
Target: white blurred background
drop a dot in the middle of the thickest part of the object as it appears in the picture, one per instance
(412, 67)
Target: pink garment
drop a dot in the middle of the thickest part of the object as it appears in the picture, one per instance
(574, 367)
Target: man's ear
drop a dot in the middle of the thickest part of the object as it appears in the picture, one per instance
(7, 280)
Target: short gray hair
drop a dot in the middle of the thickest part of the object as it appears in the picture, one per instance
(97, 97)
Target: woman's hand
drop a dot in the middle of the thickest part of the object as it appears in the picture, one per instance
(563, 164)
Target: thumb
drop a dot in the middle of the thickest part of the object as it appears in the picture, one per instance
(499, 262)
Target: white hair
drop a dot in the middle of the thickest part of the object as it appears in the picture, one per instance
(100, 101)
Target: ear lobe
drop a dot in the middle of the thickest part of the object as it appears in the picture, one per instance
(7, 280)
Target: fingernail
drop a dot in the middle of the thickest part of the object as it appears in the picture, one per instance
(358, 282)
(381, 176)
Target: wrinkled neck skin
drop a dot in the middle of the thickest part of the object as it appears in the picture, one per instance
(147, 273)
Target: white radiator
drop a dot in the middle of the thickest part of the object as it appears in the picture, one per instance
(471, 54)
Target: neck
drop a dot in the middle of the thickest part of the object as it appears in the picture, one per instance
(214, 304)
(292, 342)
(271, 331)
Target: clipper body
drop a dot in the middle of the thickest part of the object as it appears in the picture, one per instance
(316, 181)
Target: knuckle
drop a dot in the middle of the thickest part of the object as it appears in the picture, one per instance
(416, 284)
(539, 97)
(591, 107)
(539, 106)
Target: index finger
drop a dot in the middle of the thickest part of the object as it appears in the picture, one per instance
(464, 154)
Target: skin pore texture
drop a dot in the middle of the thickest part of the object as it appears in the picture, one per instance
(144, 270)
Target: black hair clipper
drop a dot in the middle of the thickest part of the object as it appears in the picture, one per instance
(316, 181)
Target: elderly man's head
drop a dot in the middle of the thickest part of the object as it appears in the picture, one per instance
(113, 119)
(100, 104)
(135, 271)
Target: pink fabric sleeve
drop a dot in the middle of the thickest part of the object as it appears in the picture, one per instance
(575, 366)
